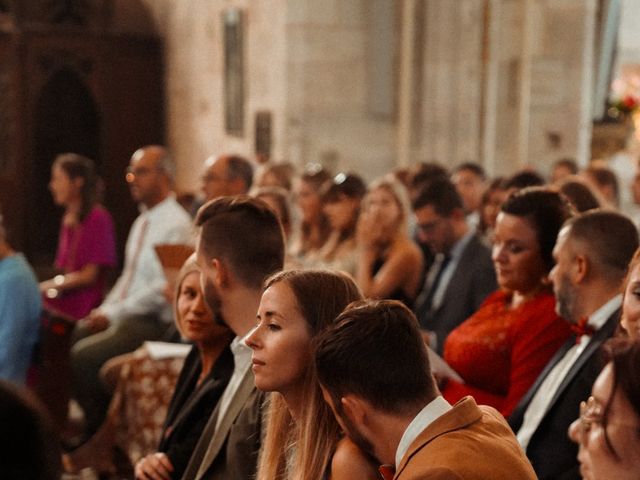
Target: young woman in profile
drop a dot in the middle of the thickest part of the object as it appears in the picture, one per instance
(341, 198)
(86, 246)
(390, 263)
(314, 226)
(303, 440)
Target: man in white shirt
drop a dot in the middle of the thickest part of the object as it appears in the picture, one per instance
(135, 309)
(239, 245)
(374, 372)
(591, 253)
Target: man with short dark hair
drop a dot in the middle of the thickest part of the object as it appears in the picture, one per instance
(462, 274)
(374, 372)
(592, 254)
(239, 245)
(226, 175)
(471, 182)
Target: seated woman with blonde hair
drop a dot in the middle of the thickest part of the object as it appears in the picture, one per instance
(390, 265)
(204, 376)
(303, 441)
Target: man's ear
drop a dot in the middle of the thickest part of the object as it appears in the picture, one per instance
(220, 273)
(355, 409)
(581, 268)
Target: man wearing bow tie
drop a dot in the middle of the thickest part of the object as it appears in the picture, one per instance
(591, 253)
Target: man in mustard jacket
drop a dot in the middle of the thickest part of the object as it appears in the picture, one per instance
(375, 374)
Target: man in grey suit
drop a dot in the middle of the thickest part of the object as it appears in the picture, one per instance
(462, 274)
(239, 245)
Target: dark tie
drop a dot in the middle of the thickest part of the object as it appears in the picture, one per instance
(443, 262)
(387, 471)
(582, 328)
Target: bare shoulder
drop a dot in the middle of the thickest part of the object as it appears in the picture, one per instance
(350, 462)
(406, 251)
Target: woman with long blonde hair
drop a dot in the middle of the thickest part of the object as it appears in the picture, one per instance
(303, 441)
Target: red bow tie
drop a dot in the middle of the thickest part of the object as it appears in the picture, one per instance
(387, 471)
(582, 328)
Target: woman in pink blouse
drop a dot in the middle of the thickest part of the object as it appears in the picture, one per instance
(86, 245)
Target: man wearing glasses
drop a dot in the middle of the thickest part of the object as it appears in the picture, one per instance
(462, 273)
(135, 309)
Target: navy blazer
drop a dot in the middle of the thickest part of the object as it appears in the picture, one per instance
(471, 283)
(552, 453)
(191, 407)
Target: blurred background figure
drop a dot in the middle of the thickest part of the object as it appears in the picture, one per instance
(20, 309)
(341, 199)
(581, 196)
(314, 228)
(561, 169)
(86, 246)
(492, 199)
(605, 182)
(276, 175)
(29, 447)
(390, 265)
(471, 182)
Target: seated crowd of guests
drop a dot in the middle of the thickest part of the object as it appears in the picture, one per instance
(317, 307)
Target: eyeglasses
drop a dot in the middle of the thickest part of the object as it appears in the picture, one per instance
(132, 172)
(429, 227)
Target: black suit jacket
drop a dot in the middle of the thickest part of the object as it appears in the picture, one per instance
(552, 453)
(230, 452)
(472, 281)
(191, 407)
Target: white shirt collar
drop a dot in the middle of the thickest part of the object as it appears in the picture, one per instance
(158, 207)
(431, 412)
(598, 318)
(240, 349)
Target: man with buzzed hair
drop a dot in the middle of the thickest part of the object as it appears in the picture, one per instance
(592, 253)
(374, 373)
(240, 243)
(226, 175)
(135, 309)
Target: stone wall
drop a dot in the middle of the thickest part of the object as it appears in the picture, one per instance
(502, 82)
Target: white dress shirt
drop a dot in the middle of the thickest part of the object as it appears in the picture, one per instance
(242, 362)
(540, 402)
(138, 290)
(429, 414)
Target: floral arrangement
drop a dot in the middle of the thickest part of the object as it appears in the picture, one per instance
(625, 94)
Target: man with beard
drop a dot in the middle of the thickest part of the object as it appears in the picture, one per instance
(591, 253)
(374, 372)
(239, 245)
